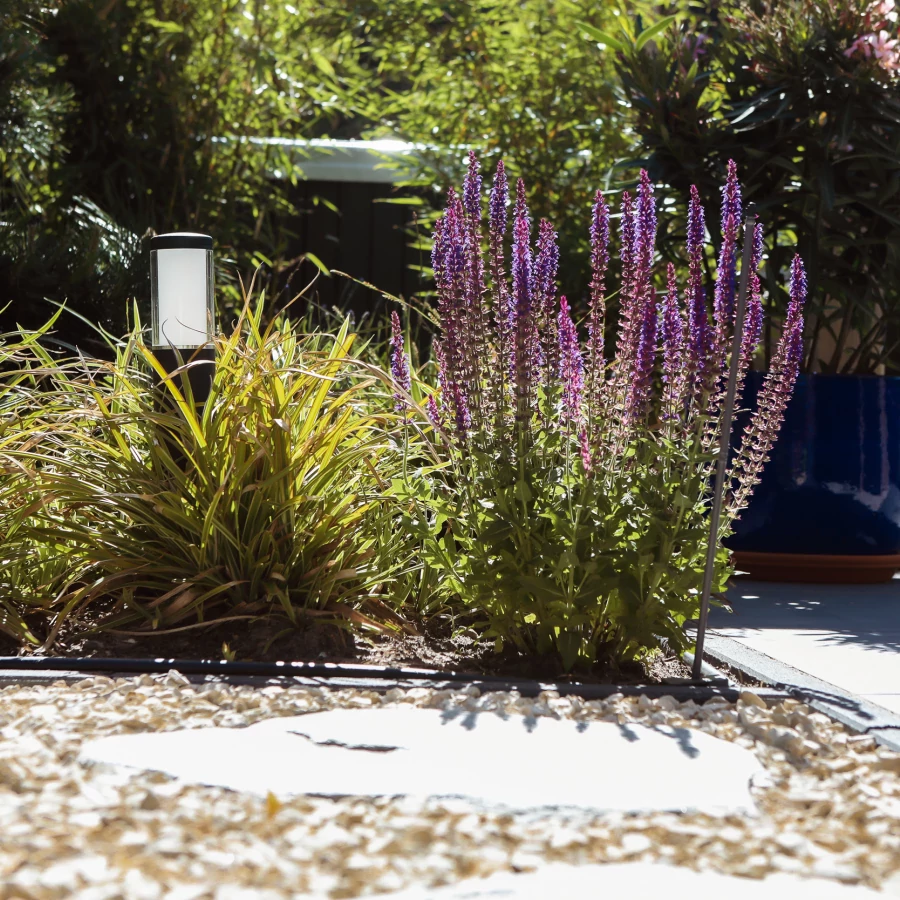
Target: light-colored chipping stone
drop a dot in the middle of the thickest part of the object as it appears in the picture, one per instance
(836, 807)
(633, 880)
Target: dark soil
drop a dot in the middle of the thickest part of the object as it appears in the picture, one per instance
(439, 648)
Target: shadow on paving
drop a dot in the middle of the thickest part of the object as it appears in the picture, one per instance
(867, 616)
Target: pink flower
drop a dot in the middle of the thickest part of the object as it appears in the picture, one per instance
(859, 46)
(880, 46)
(884, 10)
(884, 49)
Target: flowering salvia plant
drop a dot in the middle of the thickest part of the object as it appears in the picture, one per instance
(571, 514)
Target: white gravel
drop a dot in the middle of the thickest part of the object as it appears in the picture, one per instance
(831, 808)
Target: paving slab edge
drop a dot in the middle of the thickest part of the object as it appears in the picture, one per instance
(854, 712)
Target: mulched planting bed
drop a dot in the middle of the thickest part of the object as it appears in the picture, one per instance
(437, 648)
(830, 806)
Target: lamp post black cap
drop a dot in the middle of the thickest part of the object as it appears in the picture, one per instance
(181, 240)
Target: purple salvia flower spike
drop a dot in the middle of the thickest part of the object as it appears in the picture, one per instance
(700, 337)
(433, 411)
(502, 308)
(472, 189)
(673, 342)
(597, 313)
(477, 336)
(399, 364)
(672, 329)
(753, 319)
(462, 418)
(628, 318)
(450, 261)
(646, 212)
(646, 239)
(763, 427)
(755, 310)
(726, 272)
(523, 309)
(585, 446)
(571, 367)
(498, 201)
(546, 264)
(639, 334)
(645, 357)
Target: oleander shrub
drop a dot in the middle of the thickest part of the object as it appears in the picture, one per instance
(271, 499)
(805, 96)
(570, 514)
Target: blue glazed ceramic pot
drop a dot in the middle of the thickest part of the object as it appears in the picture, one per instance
(832, 485)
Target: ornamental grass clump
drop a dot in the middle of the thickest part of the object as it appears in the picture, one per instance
(31, 570)
(268, 500)
(571, 515)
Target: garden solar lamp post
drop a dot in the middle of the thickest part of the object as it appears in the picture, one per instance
(718, 498)
(182, 307)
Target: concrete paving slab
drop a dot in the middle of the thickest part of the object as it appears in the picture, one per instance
(512, 762)
(864, 616)
(888, 701)
(635, 879)
(845, 635)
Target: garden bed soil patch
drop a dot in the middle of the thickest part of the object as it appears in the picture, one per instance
(438, 647)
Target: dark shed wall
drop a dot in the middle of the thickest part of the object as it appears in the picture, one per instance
(365, 239)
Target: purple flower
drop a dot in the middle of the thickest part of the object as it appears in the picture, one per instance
(449, 264)
(645, 242)
(571, 369)
(490, 367)
(723, 300)
(585, 445)
(546, 263)
(472, 189)
(399, 364)
(597, 313)
(463, 418)
(502, 309)
(642, 320)
(476, 334)
(753, 320)
(498, 201)
(672, 329)
(626, 349)
(433, 410)
(642, 373)
(699, 333)
(646, 214)
(764, 425)
(523, 311)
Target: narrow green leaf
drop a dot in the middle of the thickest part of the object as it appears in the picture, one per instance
(602, 37)
(650, 33)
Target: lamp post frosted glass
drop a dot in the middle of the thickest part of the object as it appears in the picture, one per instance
(183, 306)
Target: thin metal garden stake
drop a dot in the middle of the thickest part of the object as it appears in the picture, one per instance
(724, 439)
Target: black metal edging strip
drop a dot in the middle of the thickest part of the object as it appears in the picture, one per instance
(379, 678)
(718, 498)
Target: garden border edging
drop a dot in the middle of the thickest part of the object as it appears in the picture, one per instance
(43, 670)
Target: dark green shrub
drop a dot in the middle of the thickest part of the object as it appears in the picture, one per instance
(803, 94)
(133, 110)
(510, 80)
